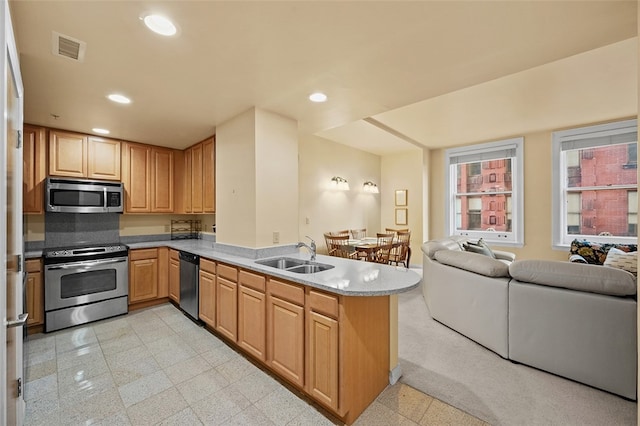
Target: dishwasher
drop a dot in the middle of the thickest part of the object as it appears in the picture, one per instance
(189, 288)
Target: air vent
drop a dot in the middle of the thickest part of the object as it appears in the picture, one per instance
(68, 47)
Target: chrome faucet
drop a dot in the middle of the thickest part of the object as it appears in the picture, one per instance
(312, 247)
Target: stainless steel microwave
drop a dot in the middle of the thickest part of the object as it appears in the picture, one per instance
(64, 195)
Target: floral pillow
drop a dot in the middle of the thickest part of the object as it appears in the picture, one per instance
(595, 253)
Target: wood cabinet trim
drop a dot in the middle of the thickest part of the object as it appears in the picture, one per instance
(140, 254)
(287, 291)
(323, 303)
(228, 272)
(252, 280)
(207, 265)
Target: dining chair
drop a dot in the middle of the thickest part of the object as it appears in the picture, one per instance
(383, 251)
(358, 234)
(337, 246)
(400, 253)
(395, 231)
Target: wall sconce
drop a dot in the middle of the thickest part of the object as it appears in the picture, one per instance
(339, 183)
(371, 187)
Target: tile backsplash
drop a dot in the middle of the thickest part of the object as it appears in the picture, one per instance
(70, 229)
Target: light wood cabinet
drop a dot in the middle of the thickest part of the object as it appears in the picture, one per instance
(227, 301)
(35, 292)
(143, 275)
(148, 178)
(322, 348)
(207, 297)
(174, 276)
(199, 177)
(82, 156)
(285, 330)
(209, 175)
(34, 168)
(252, 317)
(163, 272)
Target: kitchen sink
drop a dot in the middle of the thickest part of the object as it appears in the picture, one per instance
(310, 268)
(295, 265)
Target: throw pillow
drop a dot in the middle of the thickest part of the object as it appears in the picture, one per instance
(596, 253)
(627, 261)
(480, 247)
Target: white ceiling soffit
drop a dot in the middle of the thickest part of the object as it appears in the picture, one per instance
(368, 137)
(67, 47)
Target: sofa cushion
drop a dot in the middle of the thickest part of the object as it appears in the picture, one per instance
(480, 247)
(430, 248)
(473, 262)
(617, 258)
(575, 276)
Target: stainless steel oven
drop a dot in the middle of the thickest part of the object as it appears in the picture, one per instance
(85, 284)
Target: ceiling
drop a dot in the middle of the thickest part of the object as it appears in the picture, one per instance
(382, 64)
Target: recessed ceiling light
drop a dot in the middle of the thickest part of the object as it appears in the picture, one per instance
(159, 24)
(100, 131)
(121, 99)
(317, 97)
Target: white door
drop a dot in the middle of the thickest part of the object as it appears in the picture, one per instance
(11, 245)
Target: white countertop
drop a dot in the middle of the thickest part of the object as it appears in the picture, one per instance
(348, 277)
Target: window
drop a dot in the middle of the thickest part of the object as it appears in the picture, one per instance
(595, 184)
(481, 180)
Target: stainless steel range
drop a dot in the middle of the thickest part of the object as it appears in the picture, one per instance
(84, 284)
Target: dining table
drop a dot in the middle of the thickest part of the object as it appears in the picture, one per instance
(369, 245)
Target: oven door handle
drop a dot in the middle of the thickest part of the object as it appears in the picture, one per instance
(85, 265)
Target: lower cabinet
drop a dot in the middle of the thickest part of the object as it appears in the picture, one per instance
(207, 298)
(285, 330)
(35, 292)
(322, 359)
(174, 275)
(227, 301)
(143, 275)
(252, 317)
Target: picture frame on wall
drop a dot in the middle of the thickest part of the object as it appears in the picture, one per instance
(401, 197)
(401, 216)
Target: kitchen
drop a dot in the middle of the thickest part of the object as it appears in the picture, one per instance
(156, 267)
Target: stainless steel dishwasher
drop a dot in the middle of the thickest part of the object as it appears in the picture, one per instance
(189, 268)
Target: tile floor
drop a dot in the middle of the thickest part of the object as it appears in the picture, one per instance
(155, 366)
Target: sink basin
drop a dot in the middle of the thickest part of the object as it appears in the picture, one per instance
(281, 262)
(295, 265)
(310, 268)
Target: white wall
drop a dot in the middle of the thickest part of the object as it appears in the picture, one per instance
(404, 171)
(328, 209)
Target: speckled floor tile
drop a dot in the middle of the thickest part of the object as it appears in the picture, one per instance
(236, 368)
(76, 338)
(37, 371)
(127, 357)
(127, 373)
(143, 388)
(378, 414)
(45, 409)
(281, 406)
(202, 385)
(85, 355)
(186, 369)
(125, 341)
(405, 400)
(256, 386)
(442, 414)
(40, 342)
(219, 355)
(185, 417)
(99, 407)
(220, 406)
(312, 417)
(42, 386)
(173, 356)
(250, 416)
(200, 340)
(81, 382)
(157, 408)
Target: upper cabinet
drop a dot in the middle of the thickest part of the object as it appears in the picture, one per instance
(200, 175)
(82, 156)
(34, 170)
(147, 174)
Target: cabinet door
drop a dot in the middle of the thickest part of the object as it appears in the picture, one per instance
(252, 322)
(67, 154)
(207, 302)
(188, 208)
(35, 292)
(285, 339)
(137, 165)
(196, 179)
(34, 171)
(162, 180)
(143, 275)
(103, 158)
(227, 307)
(322, 367)
(174, 276)
(209, 176)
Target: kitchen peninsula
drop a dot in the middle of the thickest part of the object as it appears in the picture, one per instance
(331, 335)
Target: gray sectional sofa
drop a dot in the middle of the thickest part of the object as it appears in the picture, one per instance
(574, 320)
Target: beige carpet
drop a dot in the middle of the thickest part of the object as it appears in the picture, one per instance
(458, 371)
